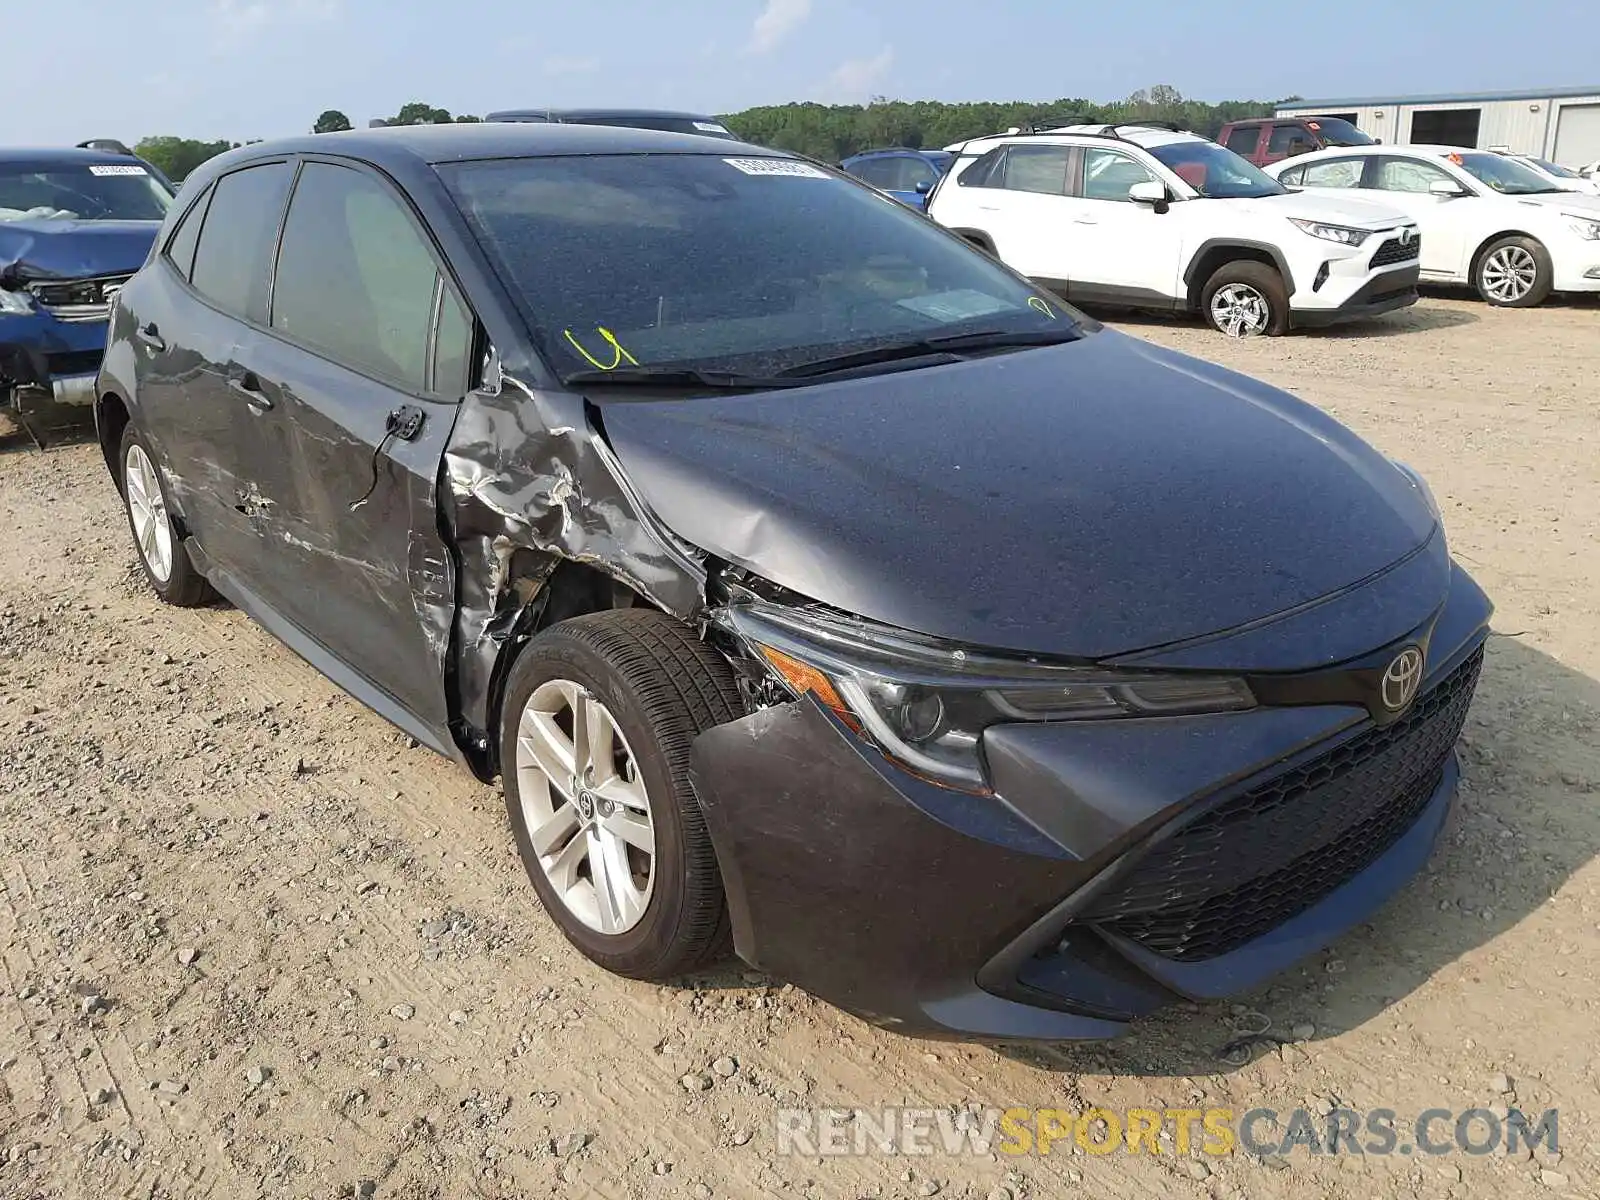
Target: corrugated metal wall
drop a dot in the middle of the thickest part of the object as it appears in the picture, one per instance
(1525, 126)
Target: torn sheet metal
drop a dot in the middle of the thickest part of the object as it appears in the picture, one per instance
(529, 483)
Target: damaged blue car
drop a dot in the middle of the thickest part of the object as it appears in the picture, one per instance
(75, 224)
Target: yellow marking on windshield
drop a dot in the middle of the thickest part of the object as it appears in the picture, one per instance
(619, 355)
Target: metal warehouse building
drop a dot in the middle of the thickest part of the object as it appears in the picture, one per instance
(1561, 124)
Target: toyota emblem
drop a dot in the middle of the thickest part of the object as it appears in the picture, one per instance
(1406, 235)
(1401, 679)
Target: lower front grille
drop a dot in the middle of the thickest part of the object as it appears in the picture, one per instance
(1255, 860)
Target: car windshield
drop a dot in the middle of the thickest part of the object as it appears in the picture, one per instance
(1503, 174)
(1336, 131)
(93, 192)
(1216, 172)
(1555, 169)
(751, 265)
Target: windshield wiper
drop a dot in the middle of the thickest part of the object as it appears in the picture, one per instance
(689, 377)
(941, 350)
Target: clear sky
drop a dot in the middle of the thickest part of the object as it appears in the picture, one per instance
(260, 68)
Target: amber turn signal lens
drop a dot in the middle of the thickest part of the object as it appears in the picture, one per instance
(803, 678)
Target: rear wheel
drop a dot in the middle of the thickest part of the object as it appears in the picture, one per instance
(1515, 272)
(1246, 299)
(161, 551)
(599, 715)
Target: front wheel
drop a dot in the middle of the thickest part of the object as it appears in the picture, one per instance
(1515, 272)
(1246, 299)
(599, 715)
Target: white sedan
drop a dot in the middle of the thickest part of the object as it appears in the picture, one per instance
(1564, 178)
(1487, 220)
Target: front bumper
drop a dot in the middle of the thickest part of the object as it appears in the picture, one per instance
(1027, 915)
(46, 364)
(1380, 294)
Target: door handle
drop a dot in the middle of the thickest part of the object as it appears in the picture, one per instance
(1084, 221)
(988, 208)
(151, 336)
(248, 386)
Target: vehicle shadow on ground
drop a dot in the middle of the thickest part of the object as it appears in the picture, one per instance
(54, 433)
(1524, 823)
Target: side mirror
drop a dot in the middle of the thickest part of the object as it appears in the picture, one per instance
(1446, 189)
(924, 186)
(1148, 191)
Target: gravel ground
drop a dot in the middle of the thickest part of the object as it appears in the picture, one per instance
(253, 943)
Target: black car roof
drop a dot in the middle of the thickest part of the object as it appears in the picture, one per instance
(400, 146)
(595, 114)
(59, 156)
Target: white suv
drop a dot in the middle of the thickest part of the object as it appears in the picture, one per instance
(1156, 218)
(1486, 219)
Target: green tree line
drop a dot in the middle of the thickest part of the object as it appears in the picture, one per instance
(833, 131)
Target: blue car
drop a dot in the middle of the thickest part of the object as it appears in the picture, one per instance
(907, 175)
(75, 224)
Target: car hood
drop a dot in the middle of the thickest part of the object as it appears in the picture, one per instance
(47, 249)
(1320, 206)
(1082, 500)
(1573, 202)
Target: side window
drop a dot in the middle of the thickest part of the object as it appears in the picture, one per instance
(909, 171)
(988, 171)
(452, 362)
(1108, 174)
(1283, 139)
(1337, 173)
(181, 245)
(878, 172)
(1037, 169)
(1243, 141)
(1408, 175)
(355, 278)
(233, 263)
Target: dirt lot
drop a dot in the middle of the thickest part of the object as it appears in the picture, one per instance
(254, 944)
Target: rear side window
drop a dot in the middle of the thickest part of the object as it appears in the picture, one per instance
(233, 263)
(181, 246)
(879, 172)
(1244, 141)
(1040, 169)
(1338, 173)
(356, 280)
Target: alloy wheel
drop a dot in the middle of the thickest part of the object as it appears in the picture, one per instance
(148, 508)
(586, 807)
(1240, 311)
(1509, 274)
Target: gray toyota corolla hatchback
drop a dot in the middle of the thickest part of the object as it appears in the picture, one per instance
(812, 582)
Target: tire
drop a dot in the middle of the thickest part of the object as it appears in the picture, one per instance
(1253, 300)
(1514, 272)
(659, 686)
(160, 547)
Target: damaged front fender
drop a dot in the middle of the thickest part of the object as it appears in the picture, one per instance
(530, 483)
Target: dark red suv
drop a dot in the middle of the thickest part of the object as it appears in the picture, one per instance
(1266, 140)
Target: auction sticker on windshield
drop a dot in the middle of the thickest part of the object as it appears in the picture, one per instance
(776, 166)
(117, 170)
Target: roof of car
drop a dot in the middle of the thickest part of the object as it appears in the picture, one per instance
(1146, 136)
(1424, 149)
(56, 156)
(594, 114)
(408, 145)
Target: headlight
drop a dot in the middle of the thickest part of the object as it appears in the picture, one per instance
(926, 703)
(15, 304)
(1342, 234)
(1421, 484)
(1585, 227)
